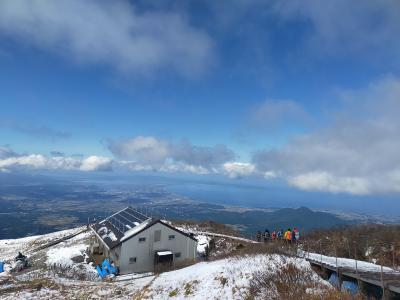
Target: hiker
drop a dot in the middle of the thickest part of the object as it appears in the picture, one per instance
(273, 235)
(288, 235)
(296, 233)
(258, 236)
(266, 235)
(280, 234)
(21, 262)
(20, 256)
(293, 236)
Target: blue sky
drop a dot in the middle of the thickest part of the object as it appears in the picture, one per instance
(301, 92)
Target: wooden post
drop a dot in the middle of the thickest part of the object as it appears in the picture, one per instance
(320, 250)
(358, 276)
(348, 247)
(383, 284)
(337, 273)
(394, 258)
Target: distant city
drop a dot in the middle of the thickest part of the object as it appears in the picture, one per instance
(35, 205)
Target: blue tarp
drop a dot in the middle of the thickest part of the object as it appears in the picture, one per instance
(102, 273)
(106, 269)
(350, 286)
(334, 280)
(1, 267)
(107, 266)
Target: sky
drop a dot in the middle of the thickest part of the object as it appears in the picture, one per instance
(302, 93)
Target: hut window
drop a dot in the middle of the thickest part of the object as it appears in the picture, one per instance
(157, 235)
(132, 260)
(171, 237)
(142, 239)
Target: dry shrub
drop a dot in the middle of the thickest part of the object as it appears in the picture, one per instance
(209, 226)
(291, 282)
(272, 247)
(76, 271)
(369, 242)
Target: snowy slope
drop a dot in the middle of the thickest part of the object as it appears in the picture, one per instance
(55, 275)
(9, 248)
(221, 279)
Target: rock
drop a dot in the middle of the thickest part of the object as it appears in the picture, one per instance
(78, 259)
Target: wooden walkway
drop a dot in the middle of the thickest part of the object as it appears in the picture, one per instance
(59, 240)
(386, 280)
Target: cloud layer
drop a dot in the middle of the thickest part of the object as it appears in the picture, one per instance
(147, 152)
(11, 161)
(141, 153)
(357, 154)
(111, 33)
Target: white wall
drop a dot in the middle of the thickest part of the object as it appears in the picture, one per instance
(144, 251)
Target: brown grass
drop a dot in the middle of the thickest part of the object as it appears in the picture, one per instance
(366, 242)
(291, 282)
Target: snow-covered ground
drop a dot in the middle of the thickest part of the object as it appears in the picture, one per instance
(56, 274)
(9, 248)
(57, 258)
(62, 256)
(221, 279)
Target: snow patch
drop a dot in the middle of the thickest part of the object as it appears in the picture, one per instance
(105, 233)
(202, 244)
(135, 230)
(62, 256)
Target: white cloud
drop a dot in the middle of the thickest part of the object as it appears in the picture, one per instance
(270, 175)
(159, 154)
(205, 156)
(145, 149)
(358, 153)
(137, 154)
(323, 181)
(238, 169)
(174, 167)
(41, 162)
(113, 33)
(96, 163)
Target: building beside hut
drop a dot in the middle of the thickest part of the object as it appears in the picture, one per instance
(138, 243)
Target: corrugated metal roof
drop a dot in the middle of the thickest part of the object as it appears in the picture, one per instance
(125, 224)
(113, 229)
